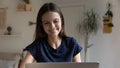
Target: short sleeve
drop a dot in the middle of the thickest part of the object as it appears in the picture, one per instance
(32, 48)
(77, 47)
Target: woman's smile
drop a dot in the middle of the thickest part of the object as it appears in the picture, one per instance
(52, 23)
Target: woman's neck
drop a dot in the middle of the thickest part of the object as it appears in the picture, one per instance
(54, 42)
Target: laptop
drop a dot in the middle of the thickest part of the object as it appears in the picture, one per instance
(63, 65)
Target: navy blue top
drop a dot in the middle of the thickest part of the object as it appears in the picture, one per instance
(43, 52)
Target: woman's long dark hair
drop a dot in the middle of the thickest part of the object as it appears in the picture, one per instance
(39, 32)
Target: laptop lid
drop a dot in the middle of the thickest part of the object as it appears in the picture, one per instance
(62, 65)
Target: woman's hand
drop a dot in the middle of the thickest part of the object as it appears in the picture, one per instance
(28, 59)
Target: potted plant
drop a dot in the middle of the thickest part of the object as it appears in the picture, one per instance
(88, 26)
(27, 5)
(27, 1)
(9, 29)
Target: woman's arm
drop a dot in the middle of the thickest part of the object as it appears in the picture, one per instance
(28, 59)
(77, 58)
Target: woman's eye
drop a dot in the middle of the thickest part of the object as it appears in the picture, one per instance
(56, 21)
(46, 23)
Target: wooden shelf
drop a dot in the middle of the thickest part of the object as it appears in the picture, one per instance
(9, 35)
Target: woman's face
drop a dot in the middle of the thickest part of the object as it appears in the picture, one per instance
(52, 24)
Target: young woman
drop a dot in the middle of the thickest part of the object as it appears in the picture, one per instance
(51, 44)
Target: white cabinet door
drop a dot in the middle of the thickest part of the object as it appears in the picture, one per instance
(73, 15)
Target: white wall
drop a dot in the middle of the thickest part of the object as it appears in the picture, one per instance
(106, 46)
(106, 49)
(19, 22)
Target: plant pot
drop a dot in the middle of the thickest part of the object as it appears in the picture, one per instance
(28, 7)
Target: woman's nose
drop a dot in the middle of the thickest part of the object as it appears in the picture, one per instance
(52, 25)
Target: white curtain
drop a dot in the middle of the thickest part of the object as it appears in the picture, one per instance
(2, 18)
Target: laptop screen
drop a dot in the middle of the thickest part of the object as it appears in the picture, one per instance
(63, 65)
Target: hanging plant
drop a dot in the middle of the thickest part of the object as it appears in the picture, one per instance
(107, 20)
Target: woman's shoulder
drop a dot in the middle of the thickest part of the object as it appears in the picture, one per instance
(36, 43)
(69, 38)
(71, 42)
